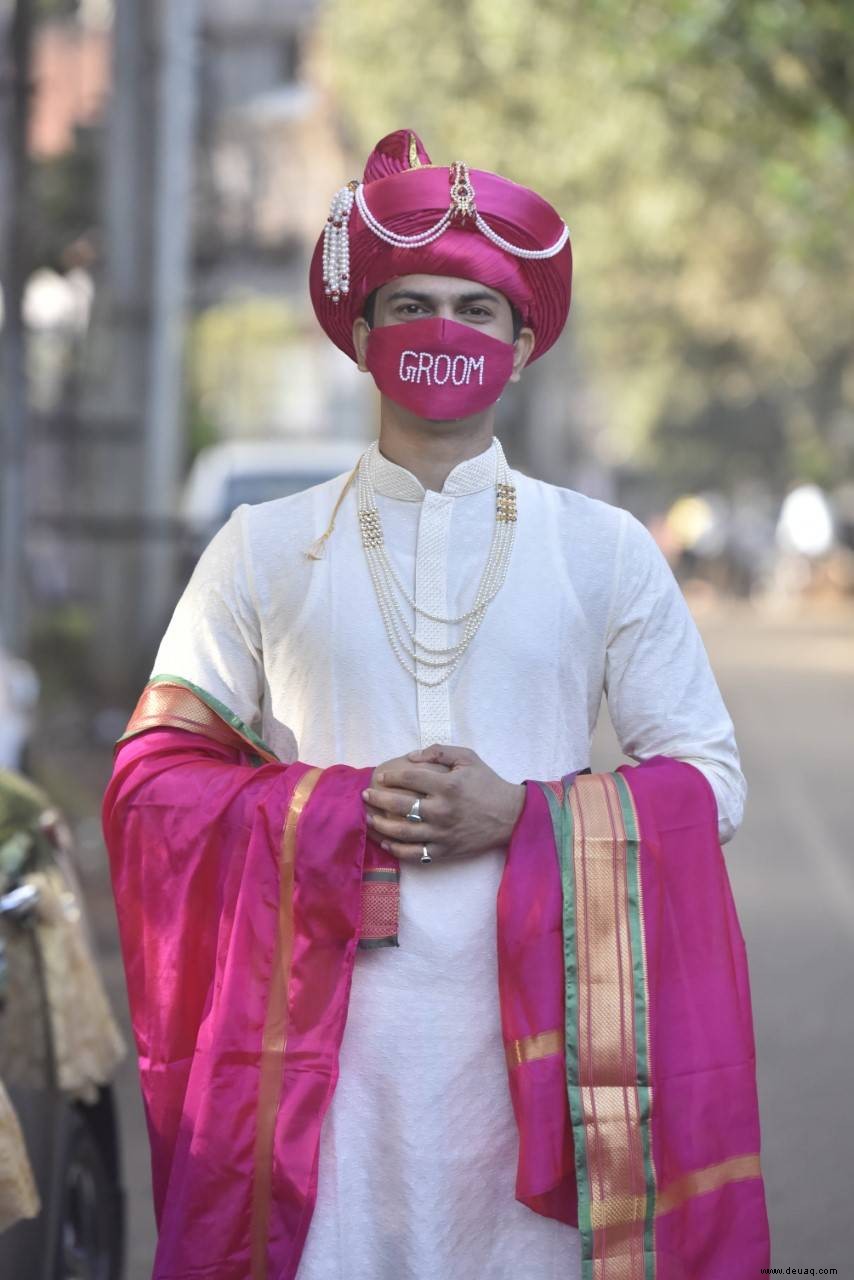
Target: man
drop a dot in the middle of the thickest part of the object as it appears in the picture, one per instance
(442, 639)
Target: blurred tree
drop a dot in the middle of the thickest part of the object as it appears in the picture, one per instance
(702, 152)
(55, 8)
(233, 374)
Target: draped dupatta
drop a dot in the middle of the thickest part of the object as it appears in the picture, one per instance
(244, 887)
(626, 1013)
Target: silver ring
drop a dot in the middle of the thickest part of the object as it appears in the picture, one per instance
(425, 856)
(414, 814)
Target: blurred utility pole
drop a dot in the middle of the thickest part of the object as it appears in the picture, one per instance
(177, 90)
(116, 403)
(113, 395)
(15, 35)
(136, 454)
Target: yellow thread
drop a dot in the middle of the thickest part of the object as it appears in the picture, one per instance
(317, 549)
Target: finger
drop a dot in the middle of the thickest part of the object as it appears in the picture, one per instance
(391, 828)
(387, 776)
(395, 802)
(441, 753)
(423, 754)
(412, 852)
(425, 778)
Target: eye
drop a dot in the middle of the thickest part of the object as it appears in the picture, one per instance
(479, 313)
(408, 308)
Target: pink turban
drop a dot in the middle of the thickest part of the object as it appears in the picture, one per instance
(406, 195)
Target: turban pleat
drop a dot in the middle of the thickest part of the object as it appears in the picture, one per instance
(409, 198)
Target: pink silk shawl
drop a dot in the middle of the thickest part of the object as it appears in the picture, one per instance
(626, 1014)
(243, 887)
(240, 901)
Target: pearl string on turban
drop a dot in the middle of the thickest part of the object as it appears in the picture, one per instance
(409, 216)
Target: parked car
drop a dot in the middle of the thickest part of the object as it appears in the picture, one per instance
(58, 1048)
(224, 476)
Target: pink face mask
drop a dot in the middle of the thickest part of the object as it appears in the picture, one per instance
(439, 369)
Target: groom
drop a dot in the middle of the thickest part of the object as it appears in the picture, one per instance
(334, 965)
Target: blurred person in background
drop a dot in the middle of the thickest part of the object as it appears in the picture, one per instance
(805, 536)
(337, 968)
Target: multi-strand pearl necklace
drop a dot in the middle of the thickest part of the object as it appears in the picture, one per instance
(386, 580)
(336, 245)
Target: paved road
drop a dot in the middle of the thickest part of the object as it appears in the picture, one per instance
(789, 685)
(790, 690)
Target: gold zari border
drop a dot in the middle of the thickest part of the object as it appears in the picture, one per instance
(172, 706)
(607, 1060)
(531, 1048)
(712, 1178)
(739, 1168)
(275, 1035)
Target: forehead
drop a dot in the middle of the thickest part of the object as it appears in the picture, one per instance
(440, 287)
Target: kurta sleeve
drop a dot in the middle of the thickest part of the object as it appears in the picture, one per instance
(662, 696)
(214, 639)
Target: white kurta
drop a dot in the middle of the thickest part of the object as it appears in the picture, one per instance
(418, 1148)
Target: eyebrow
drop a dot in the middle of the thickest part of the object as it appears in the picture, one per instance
(417, 296)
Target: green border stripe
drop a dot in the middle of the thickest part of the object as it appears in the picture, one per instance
(215, 705)
(562, 822)
(639, 979)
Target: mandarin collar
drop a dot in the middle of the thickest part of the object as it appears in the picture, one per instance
(395, 481)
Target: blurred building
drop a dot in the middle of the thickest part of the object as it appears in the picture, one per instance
(268, 161)
(196, 156)
(218, 157)
(71, 75)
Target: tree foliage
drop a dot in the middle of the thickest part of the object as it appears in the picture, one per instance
(702, 152)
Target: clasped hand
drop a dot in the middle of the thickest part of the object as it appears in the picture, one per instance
(466, 808)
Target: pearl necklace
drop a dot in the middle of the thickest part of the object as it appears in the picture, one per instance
(386, 579)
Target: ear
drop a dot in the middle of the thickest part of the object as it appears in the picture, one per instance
(523, 346)
(361, 330)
